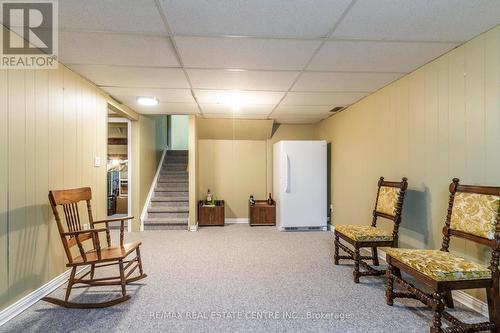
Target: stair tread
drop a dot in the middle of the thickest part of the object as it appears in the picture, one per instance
(173, 181)
(168, 209)
(179, 220)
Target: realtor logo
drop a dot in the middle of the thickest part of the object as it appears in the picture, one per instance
(29, 37)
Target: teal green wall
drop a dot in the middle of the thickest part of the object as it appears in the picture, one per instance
(179, 132)
(161, 127)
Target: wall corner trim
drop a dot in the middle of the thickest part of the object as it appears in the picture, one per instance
(24, 303)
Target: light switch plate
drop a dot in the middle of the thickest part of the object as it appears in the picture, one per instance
(97, 161)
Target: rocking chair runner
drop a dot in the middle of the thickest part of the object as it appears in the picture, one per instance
(474, 215)
(96, 257)
(388, 205)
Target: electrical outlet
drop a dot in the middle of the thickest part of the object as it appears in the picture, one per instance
(86, 226)
(97, 161)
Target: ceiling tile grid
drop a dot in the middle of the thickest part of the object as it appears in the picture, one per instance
(241, 79)
(93, 48)
(289, 60)
(362, 56)
(140, 77)
(245, 53)
(262, 18)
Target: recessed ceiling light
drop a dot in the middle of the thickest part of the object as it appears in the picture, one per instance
(147, 100)
(234, 99)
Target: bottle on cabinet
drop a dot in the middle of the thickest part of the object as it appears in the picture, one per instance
(270, 199)
(252, 201)
(210, 199)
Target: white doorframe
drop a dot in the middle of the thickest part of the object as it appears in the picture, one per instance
(129, 164)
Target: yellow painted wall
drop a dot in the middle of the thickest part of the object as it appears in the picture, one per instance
(53, 125)
(233, 129)
(439, 122)
(144, 164)
(233, 170)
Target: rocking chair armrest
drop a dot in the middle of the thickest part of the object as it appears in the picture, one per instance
(79, 232)
(95, 239)
(122, 227)
(116, 219)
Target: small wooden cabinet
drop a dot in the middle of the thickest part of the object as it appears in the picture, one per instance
(211, 215)
(262, 213)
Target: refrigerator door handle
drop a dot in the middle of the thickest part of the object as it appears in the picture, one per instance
(287, 174)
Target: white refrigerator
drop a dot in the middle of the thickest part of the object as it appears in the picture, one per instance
(300, 185)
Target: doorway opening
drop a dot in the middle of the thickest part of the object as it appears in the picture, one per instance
(119, 194)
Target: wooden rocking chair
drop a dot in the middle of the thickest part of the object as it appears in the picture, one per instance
(388, 205)
(96, 257)
(474, 215)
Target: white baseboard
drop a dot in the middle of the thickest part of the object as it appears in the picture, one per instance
(238, 220)
(460, 296)
(33, 297)
(471, 302)
(193, 227)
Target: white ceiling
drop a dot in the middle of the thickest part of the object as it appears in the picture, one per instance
(290, 60)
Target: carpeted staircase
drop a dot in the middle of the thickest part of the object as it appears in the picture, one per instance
(169, 207)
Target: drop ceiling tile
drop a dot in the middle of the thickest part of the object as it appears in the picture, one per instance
(168, 108)
(163, 95)
(121, 76)
(115, 49)
(246, 97)
(241, 80)
(139, 16)
(443, 20)
(162, 108)
(343, 82)
(245, 53)
(302, 110)
(362, 56)
(254, 18)
(320, 98)
(244, 109)
(236, 116)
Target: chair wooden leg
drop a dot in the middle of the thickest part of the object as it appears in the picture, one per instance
(389, 287)
(448, 299)
(336, 256)
(123, 282)
(357, 258)
(70, 283)
(396, 271)
(494, 306)
(139, 260)
(92, 271)
(437, 309)
(375, 256)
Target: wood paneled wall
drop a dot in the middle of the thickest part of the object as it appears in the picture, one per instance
(439, 122)
(53, 124)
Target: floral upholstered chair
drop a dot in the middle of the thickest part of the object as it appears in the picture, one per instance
(473, 214)
(388, 205)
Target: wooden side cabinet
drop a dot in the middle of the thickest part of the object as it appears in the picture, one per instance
(262, 213)
(211, 216)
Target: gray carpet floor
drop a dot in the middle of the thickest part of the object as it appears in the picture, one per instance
(235, 279)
